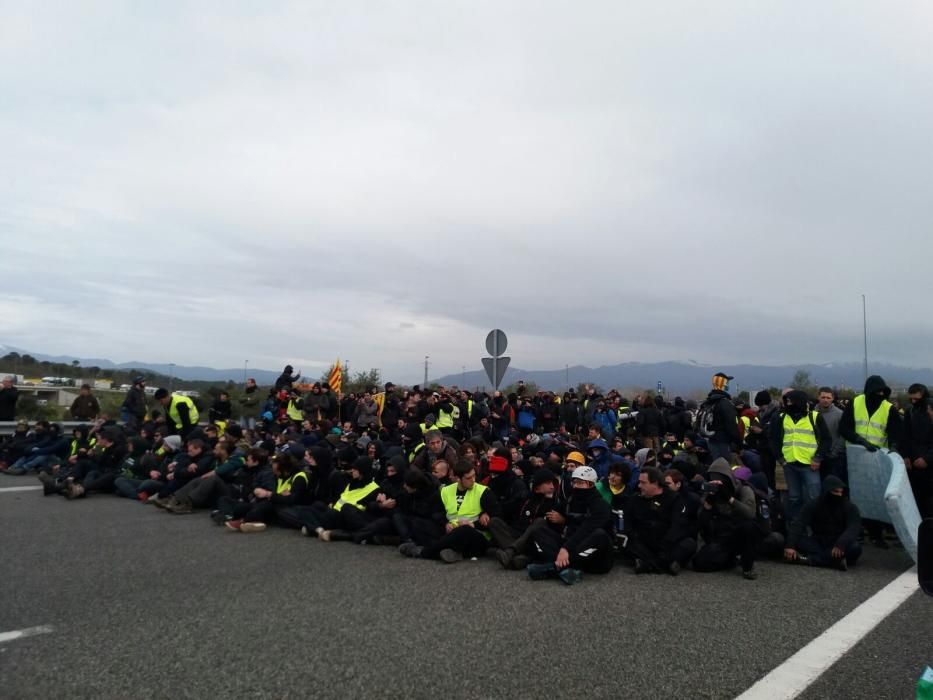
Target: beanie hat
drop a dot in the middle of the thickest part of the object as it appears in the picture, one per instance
(172, 442)
(364, 465)
(234, 430)
(762, 398)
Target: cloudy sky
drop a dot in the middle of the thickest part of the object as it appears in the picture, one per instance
(206, 183)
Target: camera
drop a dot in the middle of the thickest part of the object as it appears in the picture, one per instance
(710, 488)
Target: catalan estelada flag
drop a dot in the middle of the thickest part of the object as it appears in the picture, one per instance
(335, 378)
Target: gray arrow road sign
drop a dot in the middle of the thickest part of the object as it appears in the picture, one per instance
(495, 369)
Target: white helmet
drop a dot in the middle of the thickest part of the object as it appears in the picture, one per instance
(585, 474)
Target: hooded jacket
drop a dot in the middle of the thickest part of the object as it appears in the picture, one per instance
(730, 507)
(918, 431)
(876, 390)
(603, 457)
(831, 521)
(586, 512)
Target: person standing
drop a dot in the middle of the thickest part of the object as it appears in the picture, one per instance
(918, 443)
(801, 441)
(249, 403)
(85, 407)
(872, 422)
(717, 420)
(835, 463)
(133, 410)
(181, 415)
(9, 395)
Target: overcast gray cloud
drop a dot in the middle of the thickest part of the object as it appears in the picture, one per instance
(204, 183)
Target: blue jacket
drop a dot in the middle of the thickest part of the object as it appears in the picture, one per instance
(601, 457)
(606, 420)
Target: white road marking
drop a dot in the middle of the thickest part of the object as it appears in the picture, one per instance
(21, 488)
(793, 676)
(28, 632)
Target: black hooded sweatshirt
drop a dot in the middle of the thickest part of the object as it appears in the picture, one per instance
(833, 521)
(876, 390)
(587, 512)
(918, 430)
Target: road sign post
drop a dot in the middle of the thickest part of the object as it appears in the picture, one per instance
(496, 343)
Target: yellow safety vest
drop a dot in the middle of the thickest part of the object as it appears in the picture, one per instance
(293, 412)
(470, 507)
(283, 485)
(873, 428)
(747, 422)
(75, 446)
(800, 439)
(414, 452)
(352, 497)
(445, 419)
(173, 410)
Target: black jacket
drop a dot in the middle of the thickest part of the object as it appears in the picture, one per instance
(510, 492)
(657, 521)
(8, 398)
(832, 523)
(725, 422)
(918, 431)
(586, 513)
(873, 385)
(135, 403)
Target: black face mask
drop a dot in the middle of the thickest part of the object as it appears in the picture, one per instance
(834, 499)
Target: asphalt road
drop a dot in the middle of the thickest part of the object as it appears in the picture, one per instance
(147, 604)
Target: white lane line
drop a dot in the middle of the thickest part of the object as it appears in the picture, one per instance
(794, 675)
(21, 488)
(28, 632)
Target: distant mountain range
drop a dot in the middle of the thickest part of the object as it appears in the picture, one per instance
(204, 374)
(685, 377)
(676, 377)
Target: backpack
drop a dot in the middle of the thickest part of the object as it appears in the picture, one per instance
(704, 425)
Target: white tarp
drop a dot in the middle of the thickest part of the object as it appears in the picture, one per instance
(879, 486)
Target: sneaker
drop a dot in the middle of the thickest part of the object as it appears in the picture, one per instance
(233, 525)
(570, 576)
(158, 501)
(410, 549)
(641, 567)
(539, 572)
(840, 564)
(749, 575)
(74, 491)
(252, 527)
(219, 518)
(674, 568)
(183, 507)
(143, 496)
(505, 557)
(323, 535)
(451, 556)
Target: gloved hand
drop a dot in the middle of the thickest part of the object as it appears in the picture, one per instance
(868, 446)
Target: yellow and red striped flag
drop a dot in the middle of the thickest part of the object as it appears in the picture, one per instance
(335, 378)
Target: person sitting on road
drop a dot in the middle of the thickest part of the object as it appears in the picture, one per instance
(469, 508)
(657, 528)
(291, 489)
(727, 523)
(356, 507)
(97, 471)
(419, 517)
(206, 490)
(256, 475)
(149, 475)
(194, 462)
(827, 529)
(436, 447)
(586, 542)
(540, 509)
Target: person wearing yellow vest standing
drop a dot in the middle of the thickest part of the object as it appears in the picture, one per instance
(801, 441)
(870, 420)
(354, 509)
(181, 415)
(469, 507)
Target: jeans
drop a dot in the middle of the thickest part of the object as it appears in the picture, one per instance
(803, 486)
(822, 556)
(720, 449)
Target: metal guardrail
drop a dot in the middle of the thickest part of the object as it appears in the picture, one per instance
(9, 427)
